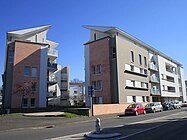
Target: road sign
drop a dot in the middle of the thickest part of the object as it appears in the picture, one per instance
(90, 91)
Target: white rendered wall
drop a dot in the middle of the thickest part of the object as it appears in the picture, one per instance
(183, 84)
(162, 70)
(43, 76)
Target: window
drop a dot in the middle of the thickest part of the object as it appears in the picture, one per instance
(145, 62)
(27, 71)
(94, 85)
(25, 102)
(141, 70)
(133, 83)
(33, 87)
(99, 85)
(147, 98)
(95, 36)
(134, 98)
(143, 98)
(132, 56)
(113, 52)
(34, 71)
(140, 59)
(132, 68)
(10, 56)
(33, 102)
(93, 69)
(75, 92)
(99, 68)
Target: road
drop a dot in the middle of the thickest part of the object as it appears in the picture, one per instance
(150, 126)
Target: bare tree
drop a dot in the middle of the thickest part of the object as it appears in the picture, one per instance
(76, 80)
(23, 90)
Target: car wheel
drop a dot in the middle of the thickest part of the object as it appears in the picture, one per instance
(161, 110)
(154, 110)
(136, 113)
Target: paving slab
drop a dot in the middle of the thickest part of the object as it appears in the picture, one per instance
(44, 114)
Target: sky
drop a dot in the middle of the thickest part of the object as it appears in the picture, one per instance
(159, 23)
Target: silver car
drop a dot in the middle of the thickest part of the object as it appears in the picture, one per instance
(154, 107)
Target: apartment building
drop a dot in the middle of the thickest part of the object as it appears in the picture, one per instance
(60, 90)
(123, 69)
(77, 93)
(30, 60)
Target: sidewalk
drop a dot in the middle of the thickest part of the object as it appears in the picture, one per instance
(43, 119)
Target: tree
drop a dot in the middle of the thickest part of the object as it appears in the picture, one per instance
(76, 80)
(23, 90)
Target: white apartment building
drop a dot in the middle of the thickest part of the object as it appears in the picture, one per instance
(60, 90)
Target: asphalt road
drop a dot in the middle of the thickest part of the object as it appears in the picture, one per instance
(151, 126)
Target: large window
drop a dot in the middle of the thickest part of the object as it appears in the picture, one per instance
(145, 62)
(93, 70)
(132, 56)
(33, 102)
(25, 102)
(10, 56)
(34, 71)
(99, 68)
(99, 85)
(113, 52)
(140, 59)
(27, 71)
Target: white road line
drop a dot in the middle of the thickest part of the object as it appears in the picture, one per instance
(142, 131)
(145, 121)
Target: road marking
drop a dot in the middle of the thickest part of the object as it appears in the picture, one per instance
(81, 135)
(143, 131)
(68, 137)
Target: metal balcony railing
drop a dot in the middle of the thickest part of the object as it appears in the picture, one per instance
(154, 79)
(52, 65)
(153, 67)
(155, 91)
(53, 52)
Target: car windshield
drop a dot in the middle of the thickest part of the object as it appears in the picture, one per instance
(149, 105)
(132, 106)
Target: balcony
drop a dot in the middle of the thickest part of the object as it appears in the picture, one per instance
(51, 94)
(153, 67)
(155, 91)
(52, 79)
(154, 79)
(64, 88)
(53, 52)
(52, 66)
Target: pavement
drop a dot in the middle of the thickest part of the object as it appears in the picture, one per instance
(44, 114)
(126, 126)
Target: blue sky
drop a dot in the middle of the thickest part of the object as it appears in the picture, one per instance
(161, 24)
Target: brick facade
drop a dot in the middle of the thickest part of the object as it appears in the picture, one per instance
(26, 54)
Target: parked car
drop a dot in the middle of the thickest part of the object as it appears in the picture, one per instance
(135, 109)
(184, 104)
(177, 105)
(168, 106)
(153, 107)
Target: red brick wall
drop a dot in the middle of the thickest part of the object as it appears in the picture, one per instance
(99, 54)
(103, 109)
(26, 54)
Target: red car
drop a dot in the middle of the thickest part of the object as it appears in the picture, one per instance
(135, 109)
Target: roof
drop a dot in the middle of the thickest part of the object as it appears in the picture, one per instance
(34, 30)
(112, 30)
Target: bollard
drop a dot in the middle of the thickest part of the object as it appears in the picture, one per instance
(98, 126)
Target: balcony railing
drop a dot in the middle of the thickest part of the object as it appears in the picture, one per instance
(52, 79)
(154, 79)
(155, 91)
(51, 94)
(52, 66)
(153, 67)
(53, 52)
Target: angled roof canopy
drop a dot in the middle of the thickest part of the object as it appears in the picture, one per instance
(23, 32)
